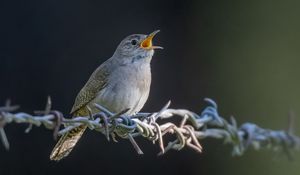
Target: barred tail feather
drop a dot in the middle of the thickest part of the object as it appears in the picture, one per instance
(66, 143)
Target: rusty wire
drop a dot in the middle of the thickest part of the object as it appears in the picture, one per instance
(189, 132)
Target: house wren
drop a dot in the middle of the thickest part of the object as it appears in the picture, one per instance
(121, 82)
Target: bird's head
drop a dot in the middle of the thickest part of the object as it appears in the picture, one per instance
(137, 46)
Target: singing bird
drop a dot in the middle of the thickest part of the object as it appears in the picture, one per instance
(121, 82)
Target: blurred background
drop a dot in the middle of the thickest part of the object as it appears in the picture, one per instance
(243, 54)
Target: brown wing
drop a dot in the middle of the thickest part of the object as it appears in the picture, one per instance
(95, 84)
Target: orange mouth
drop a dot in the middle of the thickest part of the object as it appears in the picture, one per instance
(147, 43)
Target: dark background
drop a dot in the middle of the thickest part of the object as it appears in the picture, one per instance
(243, 54)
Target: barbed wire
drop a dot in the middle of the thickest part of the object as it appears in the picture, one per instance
(191, 129)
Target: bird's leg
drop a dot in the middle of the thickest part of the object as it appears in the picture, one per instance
(123, 125)
(117, 115)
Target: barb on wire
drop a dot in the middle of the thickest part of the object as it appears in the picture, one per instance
(189, 132)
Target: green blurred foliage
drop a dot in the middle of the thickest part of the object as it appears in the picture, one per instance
(253, 52)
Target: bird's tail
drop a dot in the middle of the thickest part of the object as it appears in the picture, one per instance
(66, 143)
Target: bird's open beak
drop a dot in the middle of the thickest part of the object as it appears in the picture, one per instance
(147, 43)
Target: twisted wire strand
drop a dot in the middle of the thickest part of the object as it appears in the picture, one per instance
(189, 132)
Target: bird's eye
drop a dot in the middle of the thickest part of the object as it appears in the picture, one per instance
(133, 42)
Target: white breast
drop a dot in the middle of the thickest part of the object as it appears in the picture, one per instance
(128, 87)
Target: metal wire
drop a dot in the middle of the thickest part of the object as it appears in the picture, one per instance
(189, 132)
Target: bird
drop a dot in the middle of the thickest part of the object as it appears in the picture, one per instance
(120, 83)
